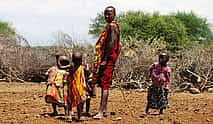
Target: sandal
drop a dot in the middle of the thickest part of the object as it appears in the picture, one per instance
(98, 116)
(82, 118)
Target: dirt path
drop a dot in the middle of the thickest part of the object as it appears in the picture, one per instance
(24, 103)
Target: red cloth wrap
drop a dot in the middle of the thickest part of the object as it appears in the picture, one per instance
(105, 73)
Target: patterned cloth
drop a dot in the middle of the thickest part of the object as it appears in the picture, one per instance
(158, 92)
(105, 75)
(160, 75)
(76, 88)
(56, 91)
(99, 54)
(157, 97)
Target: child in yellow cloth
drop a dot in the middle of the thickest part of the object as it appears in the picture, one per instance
(76, 86)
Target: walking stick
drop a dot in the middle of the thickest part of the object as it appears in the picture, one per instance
(122, 92)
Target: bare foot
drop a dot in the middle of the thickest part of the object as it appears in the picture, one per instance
(161, 116)
(88, 114)
(69, 119)
(82, 118)
(155, 112)
(53, 114)
(143, 115)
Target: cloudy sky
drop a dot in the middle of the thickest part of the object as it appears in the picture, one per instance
(39, 20)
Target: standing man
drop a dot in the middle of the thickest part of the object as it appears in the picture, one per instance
(107, 51)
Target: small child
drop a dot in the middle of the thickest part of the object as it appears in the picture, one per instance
(56, 83)
(158, 91)
(76, 86)
(89, 93)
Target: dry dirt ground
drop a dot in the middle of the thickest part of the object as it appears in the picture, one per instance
(24, 103)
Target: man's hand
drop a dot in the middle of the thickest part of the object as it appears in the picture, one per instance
(90, 80)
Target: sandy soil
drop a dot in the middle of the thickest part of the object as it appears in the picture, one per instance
(24, 103)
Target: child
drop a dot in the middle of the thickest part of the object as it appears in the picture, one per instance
(56, 83)
(158, 91)
(89, 93)
(76, 86)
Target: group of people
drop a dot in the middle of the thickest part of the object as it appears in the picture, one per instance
(71, 84)
(67, 85)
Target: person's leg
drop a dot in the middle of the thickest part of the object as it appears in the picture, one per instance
(87, 105)
(106, 80)
(105, 99)
(66, 110)
(93, 90)
(79, 110)
(161, 111)
(166, 96)
(147, 109)
(69, 114)
(148, 100)
(161, 114)
(54, 109)
(106, 94)
(103, 104)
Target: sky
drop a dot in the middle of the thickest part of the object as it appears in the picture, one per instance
(40, 20)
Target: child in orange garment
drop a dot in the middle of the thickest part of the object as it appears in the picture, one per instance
(76, 87)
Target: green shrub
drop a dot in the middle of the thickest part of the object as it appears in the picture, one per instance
(5, 28)
(134, 24)
(98, 25)
(169, 28)
(197, 28)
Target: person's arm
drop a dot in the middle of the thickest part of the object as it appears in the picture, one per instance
(167, 76)
(47, 72)
(86, 75)
(152, 73)
(150, 70)
(47, 75)
(111, 39)
(156, 77)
